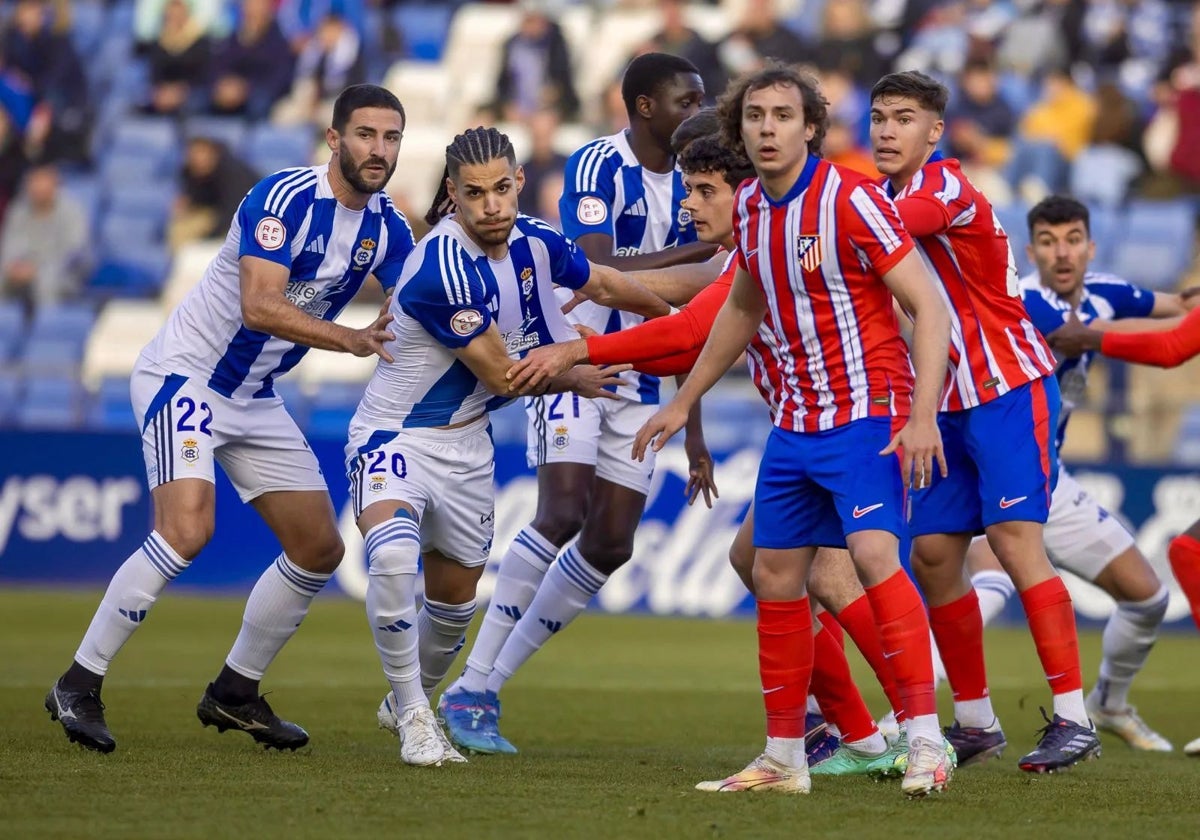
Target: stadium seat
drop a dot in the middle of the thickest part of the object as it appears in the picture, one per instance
(620, 31)
(187, 269)
(271, 147)
(51, 402)
(142, 200)
(63, 319)
(231, 131)
(123, 233)
(1187, 445)
(122, 329)
(424, 27)
(87, 26)
(472, 55)
(1157, 243)
(1106, 228)
(133, 274)
(145, 135)
(424, 88)
(84, 189)
(11, 392)
(110, 409)
(12, 328)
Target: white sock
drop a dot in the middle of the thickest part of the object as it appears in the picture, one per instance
(813, 707)
(127, 601)
(873, 744)
(789, 752)
(924, 726)
(441, 630)
(993, 590)
(1129, 636)
(566, 591)
(1070, 705)
(521, 573)
(393, 549)
(277, 605)
(977, 714)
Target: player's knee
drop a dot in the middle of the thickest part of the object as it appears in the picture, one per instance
(188, 535)
(560, 523)
(321, 553)
(606, 555)
(742, 560)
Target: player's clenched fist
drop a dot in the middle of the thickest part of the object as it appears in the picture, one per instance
(666, 422)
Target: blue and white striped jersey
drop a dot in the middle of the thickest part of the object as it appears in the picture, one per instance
(449, 293)
(1105, 298)
(290, 218)
(607, 191)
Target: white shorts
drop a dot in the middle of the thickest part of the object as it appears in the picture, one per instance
(185, 426)
(569, 429)
(1081, 536)
(446, 475)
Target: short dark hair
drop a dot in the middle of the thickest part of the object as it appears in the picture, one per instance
(471, 148)
(709, 154)
(363, 96)
(775, 74)
(647, 74)
(1058, 210)
(927, 91)
(698, 125)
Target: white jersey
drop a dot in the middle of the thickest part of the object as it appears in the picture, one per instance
(450, 292)
(606, 190)
(290, 218)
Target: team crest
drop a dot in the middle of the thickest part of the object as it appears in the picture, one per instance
(527, 282)
(561, 437)
(378, 484)
(808, 249)
(684, 217)
(365, 252)
(189, 450)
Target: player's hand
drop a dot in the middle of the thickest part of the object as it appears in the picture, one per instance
(1190, 297)
(370, 340)
(1074, 338)
(387, 304)
(591, 381)
(919, 444)
(700, 471)
(576, 299)
(659, 429)
(545, 363)
(584, 330)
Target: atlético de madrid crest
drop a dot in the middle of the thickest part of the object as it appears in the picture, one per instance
(808, 251)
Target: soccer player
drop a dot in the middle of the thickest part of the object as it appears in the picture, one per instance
(820, 254)
(1080, 535)
(621, 205)
(302, 244)
(477, 291)
(998, 420)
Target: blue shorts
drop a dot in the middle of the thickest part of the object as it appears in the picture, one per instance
(814, 488)
(1002, 460)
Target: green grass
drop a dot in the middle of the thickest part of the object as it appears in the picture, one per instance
(616, 720)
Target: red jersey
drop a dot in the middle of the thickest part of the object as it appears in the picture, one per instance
(833, 352)
(994, 347)
(1166, 349)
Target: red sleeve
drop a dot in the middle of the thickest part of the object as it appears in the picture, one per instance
(1160, 349)
(682, 333)
(872, 224)
(923, 215)
(672, 365)
(940, 200)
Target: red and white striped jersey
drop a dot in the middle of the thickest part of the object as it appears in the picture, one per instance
(994, 346)
(831, 352)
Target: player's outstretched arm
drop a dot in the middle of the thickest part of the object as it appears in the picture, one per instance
(265, 308)
(678, 284)
(609, 287)
(735, 325)
(599, 249)
(914, 288)
(487, 357)
(1164, 349)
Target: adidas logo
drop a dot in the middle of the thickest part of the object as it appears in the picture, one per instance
(638, 208)
(552, 626)
(317, 246)
(512, 612)
(398, 626)
(136, 616)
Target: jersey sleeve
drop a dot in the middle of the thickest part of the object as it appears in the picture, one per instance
(569, 266)
(1127, 300)
(942, 201)
(446, 295)
(271, 214)
(871, 223)
(1160, 349)
(400, 244)
(589, 190)
(1045, 316)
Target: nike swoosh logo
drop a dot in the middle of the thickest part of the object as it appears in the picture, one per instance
(887, 655)
(772, 690)
(248, 727)
(1056, 676)
(750, 254)
(859, 513)
(1005, 504)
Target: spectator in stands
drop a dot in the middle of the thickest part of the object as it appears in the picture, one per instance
(1047, 34)
(1105, 170)
(535, 67)
(301, 19)
(759, 36)
(848, 43)
(979, 122)
(330, 62)
(13, 162)
(1172, 140)
(842, 147)
(1127, 39)
(43, 242)
(253, 68)
(544, 162)
(149, 17)
(178, 61)
(1051, 133)
(214, 182)
(677, 38)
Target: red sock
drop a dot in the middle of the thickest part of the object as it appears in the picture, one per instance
(829, 622)
(1052, 622)
(859, 621)
(1184, 555)
(904, 634)
(835, 690)
(785, 663)
(958, 630)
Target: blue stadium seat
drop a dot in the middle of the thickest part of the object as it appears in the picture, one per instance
(51, 402)
(153, 139)
(11, 388)
(137, 273)
(85, 189)
(1157, 243)
(87, 26)
(12, 328)
(231, 131)
(110, 409)
(272, 147)
(63, 320)
(424, 27)
(1018, 91)
(142, 200)
(1106, 228)
(1187, 445)
(122, 233)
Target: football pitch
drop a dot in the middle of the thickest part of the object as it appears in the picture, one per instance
(616, 719)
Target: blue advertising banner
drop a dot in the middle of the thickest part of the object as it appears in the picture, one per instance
(73, 506)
